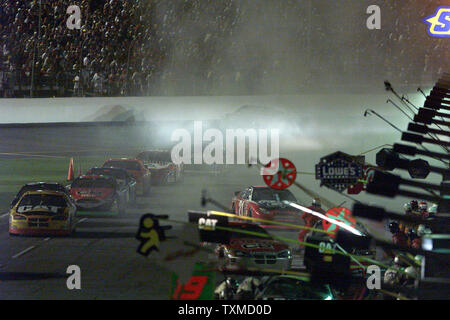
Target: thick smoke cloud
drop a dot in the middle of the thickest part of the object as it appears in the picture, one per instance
(268, 46)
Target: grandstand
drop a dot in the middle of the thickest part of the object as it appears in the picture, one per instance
(206, 47)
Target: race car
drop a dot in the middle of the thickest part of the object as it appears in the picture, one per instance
(263, 202)
(98, 193)
(124, 180)
(289, 287)
(245, 250)
(161, 166)
(42, 212)
(136, 169)
(35, 186)
(357, 266)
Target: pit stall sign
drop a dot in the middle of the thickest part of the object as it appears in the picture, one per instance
(339, 170)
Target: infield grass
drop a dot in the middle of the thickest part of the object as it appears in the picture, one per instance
(14, 173)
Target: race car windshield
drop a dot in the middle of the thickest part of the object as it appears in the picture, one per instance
(92, 184)
(36, 187)
(44, 200)
(42, 186)
(117, 174)
(127, 165)
(272, 195)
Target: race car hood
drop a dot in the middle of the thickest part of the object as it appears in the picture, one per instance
(275, 206)
(255, 245)
(41, 211)
(157, 165)
(158, 168)
(97, 193)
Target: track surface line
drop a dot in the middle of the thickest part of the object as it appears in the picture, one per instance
(21, 253)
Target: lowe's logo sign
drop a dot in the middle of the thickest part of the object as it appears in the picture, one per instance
(439, 23)
(339, 169)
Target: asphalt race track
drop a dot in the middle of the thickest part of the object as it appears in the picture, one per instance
(104, 247)
(105, 250)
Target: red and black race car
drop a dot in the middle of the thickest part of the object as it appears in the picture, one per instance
(123, 178)
(263, 202)
(252, 251)
(136, 169)
(161, 166)
(98, 192)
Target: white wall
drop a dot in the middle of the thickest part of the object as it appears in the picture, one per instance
(186, 108)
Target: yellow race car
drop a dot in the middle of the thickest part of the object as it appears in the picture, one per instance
(42, 212)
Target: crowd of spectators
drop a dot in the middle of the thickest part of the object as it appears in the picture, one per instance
(159, 47)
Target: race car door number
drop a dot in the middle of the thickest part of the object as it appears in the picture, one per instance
(327, 247)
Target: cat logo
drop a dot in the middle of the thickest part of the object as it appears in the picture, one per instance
(207, 224)
(439, 23)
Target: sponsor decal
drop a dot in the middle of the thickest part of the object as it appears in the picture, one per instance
(341, 214)
(339, 170)
(279, 173)
(439, 23)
